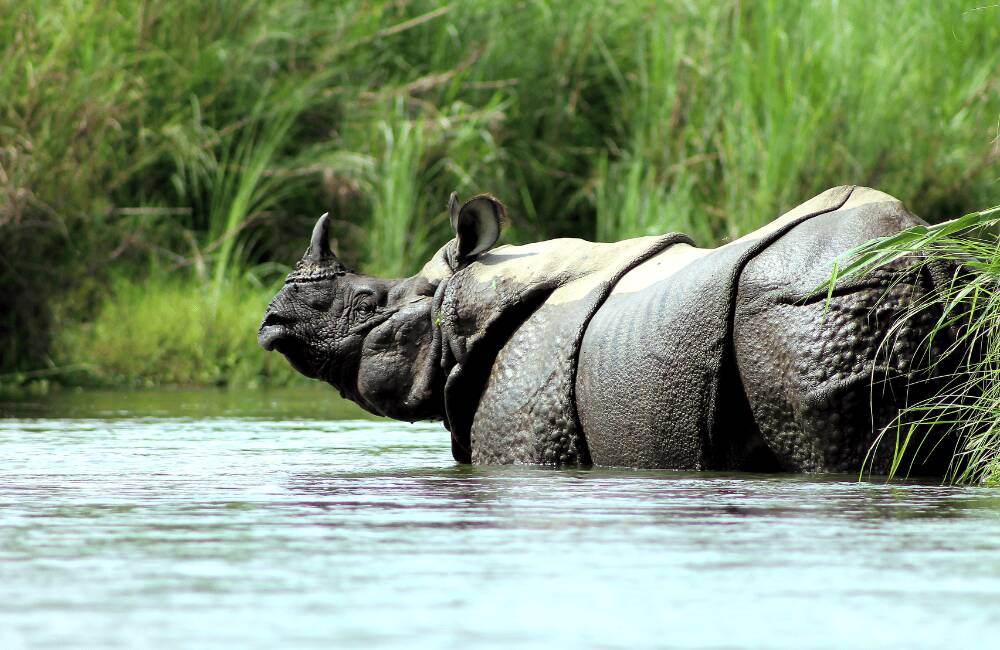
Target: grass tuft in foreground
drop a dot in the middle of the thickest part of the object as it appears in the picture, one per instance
(968, 405)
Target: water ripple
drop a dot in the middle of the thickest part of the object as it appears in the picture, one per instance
(130, 530)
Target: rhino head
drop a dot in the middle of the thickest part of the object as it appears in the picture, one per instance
(374, 339)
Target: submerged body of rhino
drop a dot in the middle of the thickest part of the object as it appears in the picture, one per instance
(648, 352)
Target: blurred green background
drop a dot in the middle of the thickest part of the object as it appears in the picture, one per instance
(161, 163)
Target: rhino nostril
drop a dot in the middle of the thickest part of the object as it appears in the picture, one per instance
(275, 328)
(273, 318)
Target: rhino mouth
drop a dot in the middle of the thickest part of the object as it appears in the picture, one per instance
(271, 337)
(278, 338)
(273, 331)
(276, 335)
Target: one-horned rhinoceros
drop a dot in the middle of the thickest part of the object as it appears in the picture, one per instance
(648, 352)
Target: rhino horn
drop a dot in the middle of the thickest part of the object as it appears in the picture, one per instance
(319, 260)
(319, 251)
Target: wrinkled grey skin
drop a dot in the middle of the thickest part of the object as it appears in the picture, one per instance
(372, 339)
(369, 338)
(648, 353)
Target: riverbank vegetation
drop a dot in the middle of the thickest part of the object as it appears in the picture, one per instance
(967, 409)
(161, 163)
(168, 331)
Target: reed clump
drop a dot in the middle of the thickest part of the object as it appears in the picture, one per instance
(189, 146)
(965, 411)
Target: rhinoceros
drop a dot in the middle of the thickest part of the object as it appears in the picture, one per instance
(643, 353)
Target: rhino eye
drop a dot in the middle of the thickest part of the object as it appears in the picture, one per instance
(364, 307)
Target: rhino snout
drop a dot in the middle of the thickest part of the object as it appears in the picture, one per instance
(273, 330)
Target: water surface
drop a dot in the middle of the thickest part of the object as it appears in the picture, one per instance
(285, 519)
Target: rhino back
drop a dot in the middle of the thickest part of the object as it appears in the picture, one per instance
(823, 377)
(657, 385)
(733, 361)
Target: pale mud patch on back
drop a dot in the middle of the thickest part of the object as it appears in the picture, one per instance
(856, 196)
(828, 200)
(865, 195)
(659, 267)
(555, 259)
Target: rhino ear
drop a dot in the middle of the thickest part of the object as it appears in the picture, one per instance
(476, 224)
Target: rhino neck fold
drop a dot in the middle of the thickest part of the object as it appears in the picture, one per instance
(511, 326)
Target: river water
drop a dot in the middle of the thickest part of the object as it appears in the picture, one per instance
(288, 520)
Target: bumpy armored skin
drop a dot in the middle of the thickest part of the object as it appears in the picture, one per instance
(644, 353)
(822, 377)
(734, 362)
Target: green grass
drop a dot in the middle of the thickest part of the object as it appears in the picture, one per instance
(173, 332)
(202, 139)
(967, 406)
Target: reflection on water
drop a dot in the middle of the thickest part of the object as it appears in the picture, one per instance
(210, 519)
